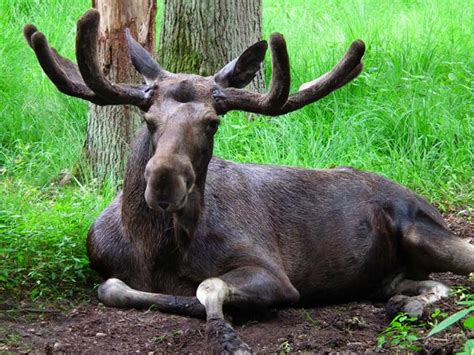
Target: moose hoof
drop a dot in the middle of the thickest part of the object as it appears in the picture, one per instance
(223, 339)
(410, 305)
(113, 293)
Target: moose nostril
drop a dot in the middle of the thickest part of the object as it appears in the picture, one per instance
(189, 183)
(163, 205)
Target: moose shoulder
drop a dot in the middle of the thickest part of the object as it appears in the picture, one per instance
(191, 233)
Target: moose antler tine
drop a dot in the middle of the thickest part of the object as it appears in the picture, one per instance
(352, 75)
(347, 66)
(39, 43)
(62, 72)
(86, 50)
(28, 31)
(340, 74)
(280, 82)
(346, 70)
(86, 53)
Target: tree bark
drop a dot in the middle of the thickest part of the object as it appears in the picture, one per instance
(201, 36)
(110, 129)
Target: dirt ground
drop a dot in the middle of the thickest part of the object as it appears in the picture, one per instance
(92, 328)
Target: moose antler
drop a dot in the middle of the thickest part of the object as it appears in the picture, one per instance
(84, 80)
(276, 102)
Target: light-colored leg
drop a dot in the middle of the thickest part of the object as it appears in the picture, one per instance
(244, 287)
(412, 296)
(212, 294)
(115, 293)
(221, 337)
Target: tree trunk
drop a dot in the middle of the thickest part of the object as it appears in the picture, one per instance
(110, 129)
(201, 36)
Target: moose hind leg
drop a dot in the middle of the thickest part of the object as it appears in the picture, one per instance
(412, 296)
(244, 287)
(432, 248)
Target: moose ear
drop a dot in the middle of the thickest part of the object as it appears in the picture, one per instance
(143, 61)
(241, 71)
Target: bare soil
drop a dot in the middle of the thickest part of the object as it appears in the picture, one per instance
(351, 327)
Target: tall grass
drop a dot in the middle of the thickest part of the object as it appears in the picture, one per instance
(409, 116)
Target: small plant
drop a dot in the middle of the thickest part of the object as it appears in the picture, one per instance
(468, 348)
(448, 322)
(436, 317)
(159, 339)
(468, 323)
(401, 333)
(309, 319)
(285, 347)
(460, 292)
(167, 336)
(177, 333)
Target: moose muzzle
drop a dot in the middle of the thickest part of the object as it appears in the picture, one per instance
(169, 181)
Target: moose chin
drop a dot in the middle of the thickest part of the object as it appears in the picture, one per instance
(190, 233)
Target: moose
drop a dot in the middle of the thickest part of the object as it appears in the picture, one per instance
(191, 233)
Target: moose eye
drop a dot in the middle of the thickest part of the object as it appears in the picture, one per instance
(213, 125)
(150, 125)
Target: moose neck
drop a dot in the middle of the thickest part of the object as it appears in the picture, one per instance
(156, 231)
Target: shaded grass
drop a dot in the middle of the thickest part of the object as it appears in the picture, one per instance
(42, 249)
(409, 116)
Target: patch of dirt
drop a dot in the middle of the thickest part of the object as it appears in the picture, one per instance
(92, 328)
(461, 223)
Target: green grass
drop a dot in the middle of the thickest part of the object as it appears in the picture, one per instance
(409, 116)
(411, 333)
(43, 229)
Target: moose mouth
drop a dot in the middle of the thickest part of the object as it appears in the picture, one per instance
(157, 205)
(182, 204)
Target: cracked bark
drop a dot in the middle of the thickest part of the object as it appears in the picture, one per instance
(201, 36)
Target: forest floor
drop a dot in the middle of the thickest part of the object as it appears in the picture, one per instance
(352, 327)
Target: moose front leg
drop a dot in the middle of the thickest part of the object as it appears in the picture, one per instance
(244, 287)
(116, 293)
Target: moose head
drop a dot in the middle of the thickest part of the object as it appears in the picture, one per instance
(182, 111)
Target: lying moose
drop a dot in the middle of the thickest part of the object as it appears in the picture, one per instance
(191, 233)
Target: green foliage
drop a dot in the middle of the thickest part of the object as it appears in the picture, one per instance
(469, 323)
(448, 322)
(401, 333)
(310, 320)
(285, 347)
(436, 317)
(42, 130)
(408, 333)
(404, 117)
(42, 244)
(167, 336)
(468, 348)
(468, 303)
